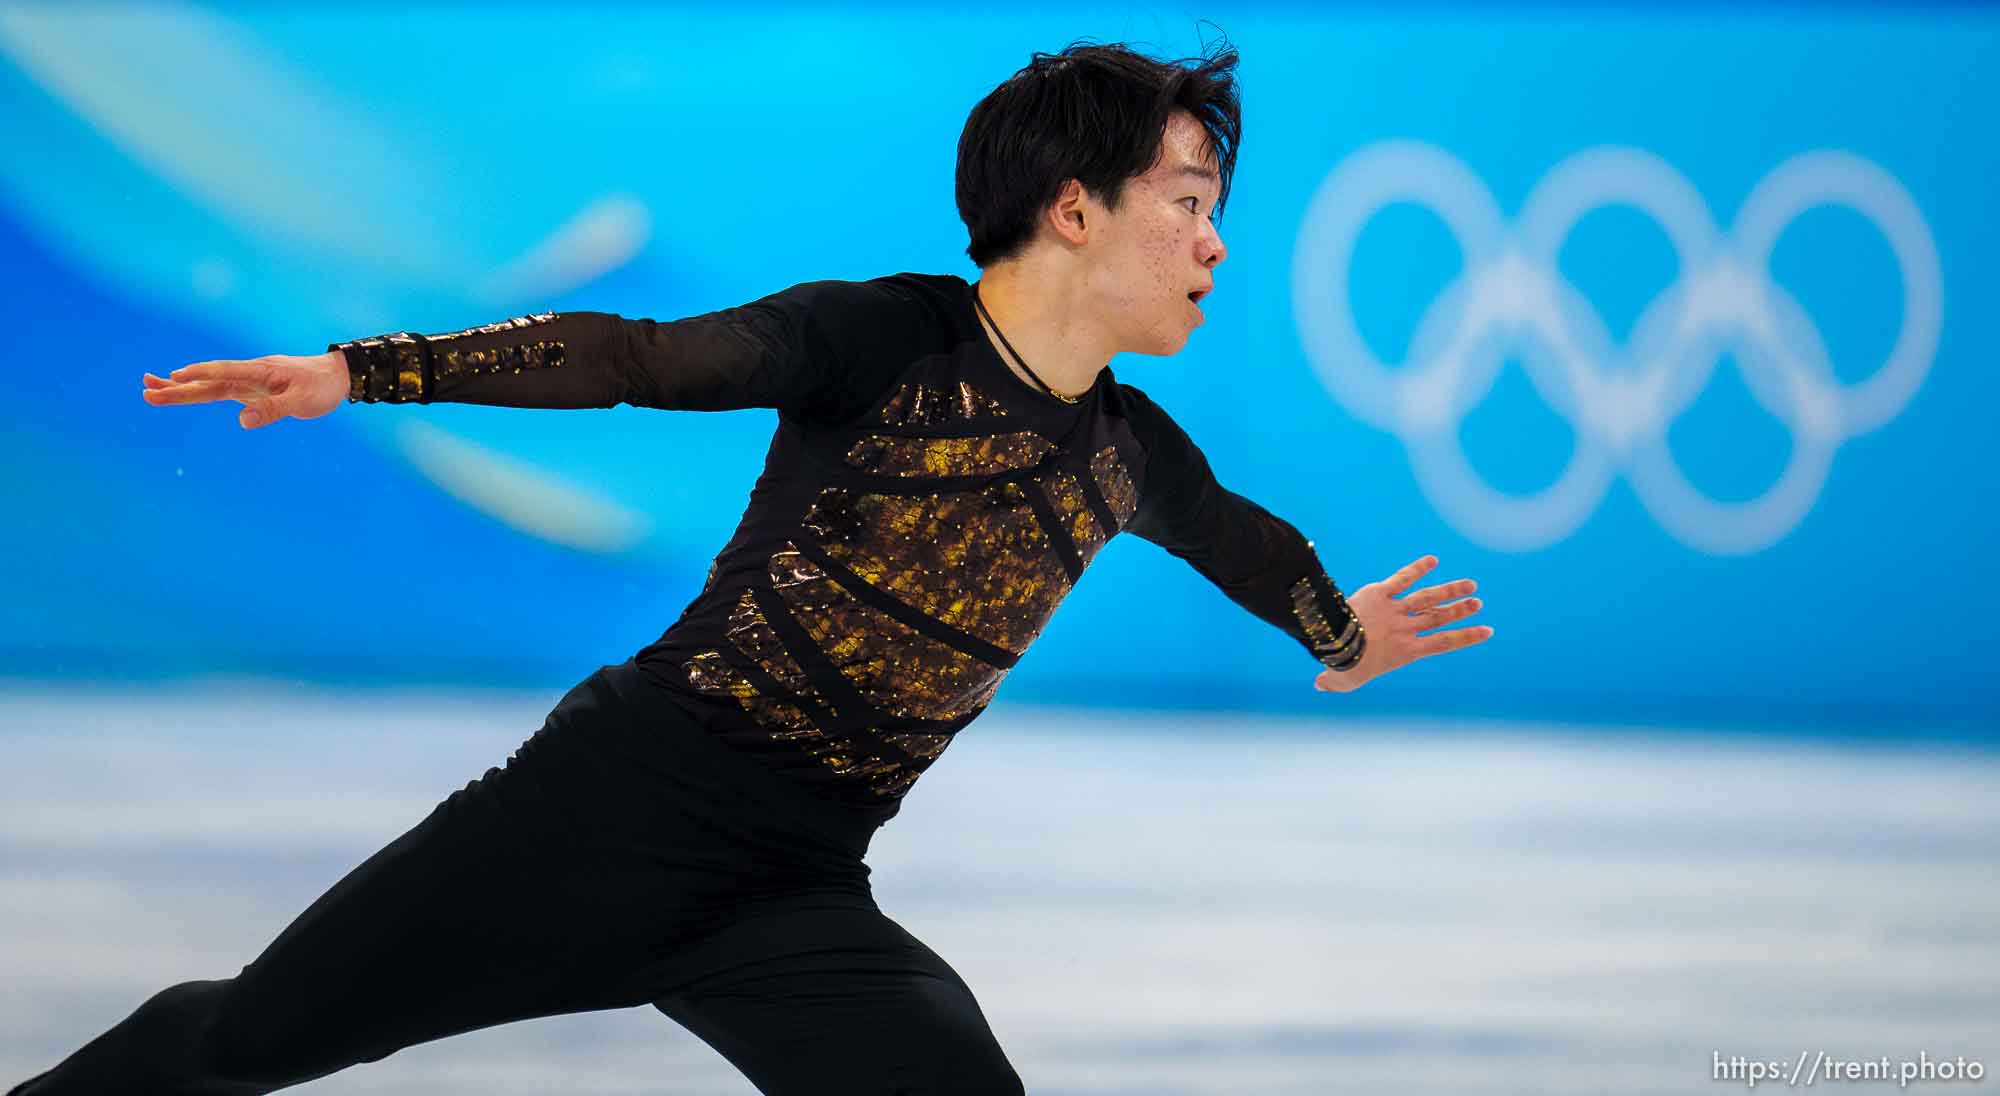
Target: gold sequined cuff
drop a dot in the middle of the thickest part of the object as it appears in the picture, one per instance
(1320, 612)
(387, 369)
(407, 367)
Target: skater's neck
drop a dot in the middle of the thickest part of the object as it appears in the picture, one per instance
(1045, 320)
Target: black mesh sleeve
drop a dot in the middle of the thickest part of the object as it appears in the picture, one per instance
(1256, 558)
(814, 349)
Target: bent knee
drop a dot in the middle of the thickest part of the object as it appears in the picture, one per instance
(175, 1027)
(248, 1047)
(213, 1049)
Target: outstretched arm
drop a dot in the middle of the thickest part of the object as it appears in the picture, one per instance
(751, 356)
(1263, 564)
(809, 350)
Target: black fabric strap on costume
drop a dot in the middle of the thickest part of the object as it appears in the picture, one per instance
(1039, 382)
(1099, 508)
(1054, 529)
(915, 619)
(819, 669)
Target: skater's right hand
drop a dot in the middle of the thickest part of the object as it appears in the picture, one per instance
(269, 388)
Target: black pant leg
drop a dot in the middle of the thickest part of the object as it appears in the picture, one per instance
(532, 891)
(833, 998)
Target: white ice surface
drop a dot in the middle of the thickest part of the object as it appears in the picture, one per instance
(1145, 903)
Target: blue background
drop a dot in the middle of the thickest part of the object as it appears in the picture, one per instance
(186, 184)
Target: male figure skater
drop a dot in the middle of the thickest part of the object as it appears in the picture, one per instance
(687, 829)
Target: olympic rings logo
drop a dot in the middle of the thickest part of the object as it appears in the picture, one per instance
(1510, 300)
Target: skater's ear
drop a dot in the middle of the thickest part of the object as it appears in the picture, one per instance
(1070, 216)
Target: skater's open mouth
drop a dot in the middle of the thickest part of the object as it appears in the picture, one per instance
(1198, 294)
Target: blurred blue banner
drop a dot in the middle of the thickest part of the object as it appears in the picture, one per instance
(1671, 328)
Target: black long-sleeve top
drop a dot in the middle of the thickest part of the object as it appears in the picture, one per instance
(921, 512)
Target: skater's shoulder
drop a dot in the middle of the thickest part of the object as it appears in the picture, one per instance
(922, 308)
(910, 289)
(1155, 430)
(942, 287)
(941, 296)
(1130, 402)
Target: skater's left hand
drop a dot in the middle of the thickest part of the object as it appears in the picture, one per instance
(1393, 621)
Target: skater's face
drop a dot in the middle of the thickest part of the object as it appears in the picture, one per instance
(1154, 257)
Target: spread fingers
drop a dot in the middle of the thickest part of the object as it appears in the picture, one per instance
(1445, 614)
(197, 392)
(1431, 596)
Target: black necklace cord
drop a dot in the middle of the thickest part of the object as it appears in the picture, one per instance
(1039, 382)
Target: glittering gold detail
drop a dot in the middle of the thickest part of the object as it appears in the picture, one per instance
(754, 636)
(885, 776)
(922, 747)
(874, 768)
(385, 369)
(514, 324)
(535, 355)
(1339, 651)
(919, 404)
(896, 668)
(973, 403)
(982, 456)
(708, 673)
(390, 368)
(409, 374)
(1066, 496)
(1115, 484)
(976, 560)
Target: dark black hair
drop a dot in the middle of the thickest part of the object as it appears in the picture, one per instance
(1093, 113)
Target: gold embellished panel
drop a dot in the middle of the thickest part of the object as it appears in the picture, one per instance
(885, 776)
(535, 355)
(1066, 496)
(893, 781)
(893, 666)
(515, 324)
(754, 636)
(976, 560)
(385, 369)
(922, 747)
(708, 673)
(390, 368)
(1338, 651)
(407, 367)
(982, 456)
(919, 404)
(1114, 482)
